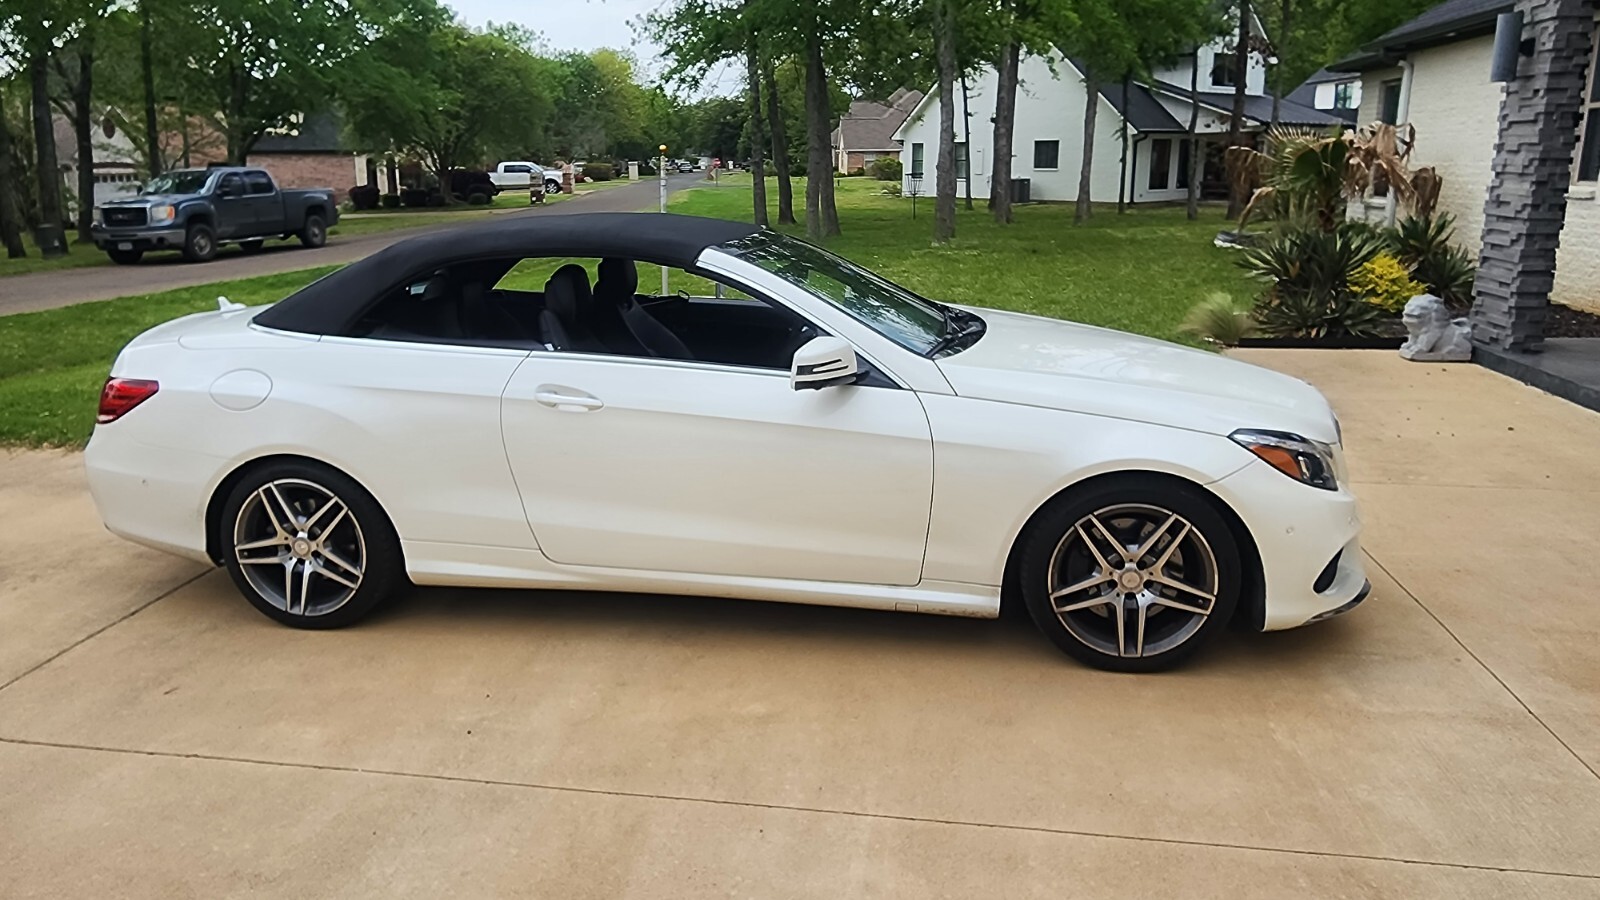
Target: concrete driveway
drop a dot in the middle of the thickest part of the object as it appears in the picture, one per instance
(160, 739)
(167, 271)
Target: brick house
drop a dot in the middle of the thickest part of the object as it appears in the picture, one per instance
(1433, 72)
(866, 132)
(311, 152)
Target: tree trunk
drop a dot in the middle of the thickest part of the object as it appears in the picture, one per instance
(1285, 13)
(235, 123)
(1196, 151)
(1005, 117)
(822, 216)
(10, 208)
(152, 131)
(1091, 108)
(1122, 179)
(966, 137)
(83, 131)
(46, 166)
(390, 174)
(758, 149)
(1241, 71)
(780, 149)
(944, 190)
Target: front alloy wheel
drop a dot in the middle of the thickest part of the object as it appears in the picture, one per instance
(1131, 579)
(307, 547)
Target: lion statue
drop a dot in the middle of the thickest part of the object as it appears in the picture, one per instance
(1433, 336)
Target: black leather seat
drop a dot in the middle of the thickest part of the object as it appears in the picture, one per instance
(615, 295)
(561, 324)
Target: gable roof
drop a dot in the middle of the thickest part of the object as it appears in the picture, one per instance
(1143, 112)
(1306, 94)
(871, 125)
(1257, 108)
(1451, 21)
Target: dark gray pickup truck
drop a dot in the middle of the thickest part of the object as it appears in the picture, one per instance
(197, 210)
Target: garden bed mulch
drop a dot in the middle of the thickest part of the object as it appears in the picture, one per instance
(1562, 322)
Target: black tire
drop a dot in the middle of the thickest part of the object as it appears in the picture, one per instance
(314, 233)
(552, 186)
(1056, 557)
(199, 243)
(359, 548)
(251, 246)
(125, 257)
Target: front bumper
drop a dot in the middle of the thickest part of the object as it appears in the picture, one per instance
(1308, 540)
(149, 237)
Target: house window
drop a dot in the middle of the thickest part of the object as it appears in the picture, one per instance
(1160, 163)
(1343, 95)
(961, 160)
(1589, 133)
(1046, 154)
(1389, 110)
(916, 160)
(1185, 148)
(1222, 66)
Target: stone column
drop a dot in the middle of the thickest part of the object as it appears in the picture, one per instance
(1527, 199)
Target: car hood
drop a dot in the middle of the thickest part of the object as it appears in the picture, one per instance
(1063, 365)
(148, 200)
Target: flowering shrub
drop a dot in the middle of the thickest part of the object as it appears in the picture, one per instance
(1385, 281)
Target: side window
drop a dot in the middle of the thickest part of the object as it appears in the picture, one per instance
(1588, 152)
(257, 183)
(518, 170)
(230, 185)
(617, 308)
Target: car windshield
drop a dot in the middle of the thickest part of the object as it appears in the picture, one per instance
(913, 322)
(183, 181)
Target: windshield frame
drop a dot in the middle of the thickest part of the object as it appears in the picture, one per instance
(205, 179)
(923, 341)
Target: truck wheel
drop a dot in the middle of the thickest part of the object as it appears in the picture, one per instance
(199, 243)
(552, 186)
(250, 246)
(313, 233)
(125, 257)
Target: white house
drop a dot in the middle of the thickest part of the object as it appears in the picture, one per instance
(1048, 137)
(1433, 73)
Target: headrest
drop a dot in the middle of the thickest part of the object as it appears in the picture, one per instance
(567, 290)
(619, 275)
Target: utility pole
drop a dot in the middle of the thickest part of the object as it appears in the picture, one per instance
(661, 177)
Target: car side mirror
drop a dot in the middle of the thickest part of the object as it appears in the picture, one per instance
(823, 362)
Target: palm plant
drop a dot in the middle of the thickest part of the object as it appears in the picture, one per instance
(1309, 271)
(1312, 173)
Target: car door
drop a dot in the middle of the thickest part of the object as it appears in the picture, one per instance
(235, 216)
(265, 203)
(723, 470)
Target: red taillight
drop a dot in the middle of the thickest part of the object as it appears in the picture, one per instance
(121, 395)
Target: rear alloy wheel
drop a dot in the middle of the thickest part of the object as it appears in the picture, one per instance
(314, 233)
(199, 243)
(125, 257)
(309, 547)
(1132, 577)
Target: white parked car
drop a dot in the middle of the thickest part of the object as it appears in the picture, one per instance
(520, 175)
(811, 433)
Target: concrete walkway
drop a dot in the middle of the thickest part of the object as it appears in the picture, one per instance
(166, 271)
(158, 738)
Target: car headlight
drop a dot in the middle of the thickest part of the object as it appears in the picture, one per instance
(97, 216)
(1303, 459)
(162, 215)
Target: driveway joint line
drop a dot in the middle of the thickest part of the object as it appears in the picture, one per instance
(1475, 658)
(782, 807)
(108, 626)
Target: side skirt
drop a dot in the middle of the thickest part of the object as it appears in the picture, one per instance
(462, 565)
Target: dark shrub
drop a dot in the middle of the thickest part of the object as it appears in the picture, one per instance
(1423, 244)
(857, 172)
(885, 168)
(598, 171)
(797, 168)
(413, 197)
(436, 199)
(1308, 271)
(391, 201)
(364, 196)
(466, 182)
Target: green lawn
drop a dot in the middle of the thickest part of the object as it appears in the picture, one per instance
(77, 255)
(1138, 272)
(1141, 271)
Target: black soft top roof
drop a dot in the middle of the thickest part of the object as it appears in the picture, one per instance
(329, 305)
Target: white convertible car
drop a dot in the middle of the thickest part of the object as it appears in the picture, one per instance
(809, 432)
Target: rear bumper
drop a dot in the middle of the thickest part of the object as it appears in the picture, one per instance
(152, 496)
(144, 238)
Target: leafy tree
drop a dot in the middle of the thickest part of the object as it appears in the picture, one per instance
(439, 90)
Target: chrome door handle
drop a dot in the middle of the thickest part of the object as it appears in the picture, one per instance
(569, 402)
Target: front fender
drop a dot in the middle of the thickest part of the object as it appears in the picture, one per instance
(996, 463)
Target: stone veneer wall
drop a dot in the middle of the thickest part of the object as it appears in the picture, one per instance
(1527, 201)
